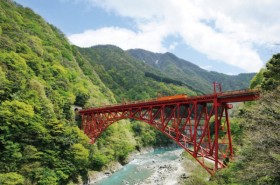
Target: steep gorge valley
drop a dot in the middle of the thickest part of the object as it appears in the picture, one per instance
(43, 77)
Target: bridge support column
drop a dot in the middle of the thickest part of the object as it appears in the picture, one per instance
(216, 144)
(228, 131)
(181, 119)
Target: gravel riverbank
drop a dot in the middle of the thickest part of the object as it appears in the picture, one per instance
(149, 167)
(166, 172)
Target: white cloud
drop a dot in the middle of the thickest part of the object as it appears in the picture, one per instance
(226, 31)
(124, 38)
(172, 46)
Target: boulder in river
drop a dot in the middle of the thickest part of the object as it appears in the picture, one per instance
(107, 173)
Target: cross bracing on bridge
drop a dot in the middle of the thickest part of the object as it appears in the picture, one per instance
(199, 124)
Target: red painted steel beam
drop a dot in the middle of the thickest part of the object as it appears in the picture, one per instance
(232, 96)
(186, 120)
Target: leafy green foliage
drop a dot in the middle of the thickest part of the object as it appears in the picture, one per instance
(272, 73)
(258, 161)
(80, 155)
(258, 131)
(257, 79)
(145, 135)
(114, 144)
(11, 179)
(40, 80)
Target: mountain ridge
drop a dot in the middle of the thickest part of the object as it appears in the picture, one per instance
(190, 73)
(126, 76)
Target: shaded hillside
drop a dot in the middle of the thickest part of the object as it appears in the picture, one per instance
(129, 78)
(40, 80)
(189, 73)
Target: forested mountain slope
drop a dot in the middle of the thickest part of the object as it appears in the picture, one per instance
(189, 73)
(128, 77)
(40, 80)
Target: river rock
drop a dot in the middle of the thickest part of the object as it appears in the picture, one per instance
(107, 173)
(125, 182)
(184, 176)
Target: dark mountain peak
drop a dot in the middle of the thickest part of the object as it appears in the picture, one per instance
(171, 55)
(106, 47)
(138, 50)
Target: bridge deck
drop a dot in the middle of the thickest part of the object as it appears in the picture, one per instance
(225, 97)
(185, 120)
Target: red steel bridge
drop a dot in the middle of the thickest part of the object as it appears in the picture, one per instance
(199, 124)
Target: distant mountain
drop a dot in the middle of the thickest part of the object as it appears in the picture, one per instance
(129, 78)
(189, 73)
(139, 74)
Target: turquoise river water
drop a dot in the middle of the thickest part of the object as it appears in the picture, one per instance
(147, 168)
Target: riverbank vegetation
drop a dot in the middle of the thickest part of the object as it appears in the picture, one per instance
(196, 173)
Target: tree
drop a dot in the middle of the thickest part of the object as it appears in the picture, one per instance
(257, 79)
(258, 160)
(272, 73)
(11, 178)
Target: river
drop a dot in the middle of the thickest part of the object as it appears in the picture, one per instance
(161, 166)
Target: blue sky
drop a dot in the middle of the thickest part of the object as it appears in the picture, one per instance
(226, 36)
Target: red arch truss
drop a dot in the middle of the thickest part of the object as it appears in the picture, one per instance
(200, 125)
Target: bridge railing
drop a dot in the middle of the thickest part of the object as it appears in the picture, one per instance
(207, 96)
(242, 91)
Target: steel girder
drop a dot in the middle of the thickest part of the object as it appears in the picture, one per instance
(202, 129)
(199, 124)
